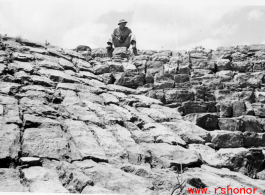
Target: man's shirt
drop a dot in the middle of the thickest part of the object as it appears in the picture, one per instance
(124, 33)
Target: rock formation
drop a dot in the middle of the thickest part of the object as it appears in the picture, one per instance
(79, 122)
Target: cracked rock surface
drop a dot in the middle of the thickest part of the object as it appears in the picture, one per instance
(88, 124)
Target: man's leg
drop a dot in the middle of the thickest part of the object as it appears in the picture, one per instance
(133, 43)
(109, 47)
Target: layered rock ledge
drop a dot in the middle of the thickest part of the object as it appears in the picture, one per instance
(83, 123)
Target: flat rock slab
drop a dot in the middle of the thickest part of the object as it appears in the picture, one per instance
(9, 142)
(177, 95)
(38, 80)
(84, 114)
(209, 155)
(118, 181)
(165, 155)
(109, 98)
(45, 142)
(122, 89)
(6, 87)
(160, 113)
(10, 181)
(83, 65)
(36, 107)
(17, 66)
(96, 190)
(40, 179)
(23, 57)
(58, 76)
(88, 75)
(66, 64)
(83, 143)
(108, 142)
(11, 114)
(157, 133)
(144, 101)
(50, 65)
(188, 131)
(36, 121)
(8, 100)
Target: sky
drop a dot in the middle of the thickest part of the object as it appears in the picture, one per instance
(157, 24)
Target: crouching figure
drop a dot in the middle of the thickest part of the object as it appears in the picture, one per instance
(121, 37)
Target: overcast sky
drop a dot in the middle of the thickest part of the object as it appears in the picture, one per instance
(157, 24)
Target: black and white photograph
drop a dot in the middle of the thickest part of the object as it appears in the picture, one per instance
(128, 97)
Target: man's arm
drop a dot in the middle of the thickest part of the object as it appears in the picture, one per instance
(129, 31)
(115, 32)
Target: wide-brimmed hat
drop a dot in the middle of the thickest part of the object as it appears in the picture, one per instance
(122, 21)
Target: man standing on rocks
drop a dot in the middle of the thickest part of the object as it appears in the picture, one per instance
(121, 37)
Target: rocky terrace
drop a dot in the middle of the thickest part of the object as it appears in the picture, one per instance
(79, 122)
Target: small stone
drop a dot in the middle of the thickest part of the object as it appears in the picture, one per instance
(31, 161)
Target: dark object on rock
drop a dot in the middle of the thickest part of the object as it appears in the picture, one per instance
(82, 48)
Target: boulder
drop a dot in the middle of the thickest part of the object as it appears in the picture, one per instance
(161, 57)
(184, 70)
(254, 139)
(181, 78)
(101, 69)
(225, 75)
(226, 95)
(72, 177)
(120, 52)
(197, 107)
(227, 139)
(99, 52)
(223, 64)
(241, 66)
(162, 81)
(238, 108)
(208, 121)
(251, 123)
(154, 67)
(131, 79)
(225, 108)
(115, 67)
(231, 124)
(258, 109)
(261, 175)
(177, 95)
